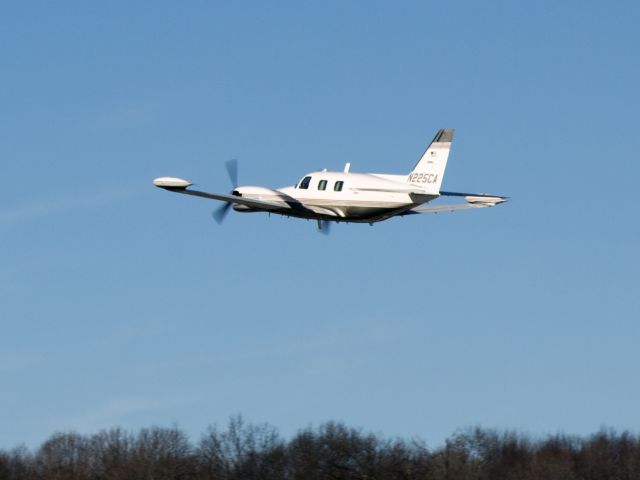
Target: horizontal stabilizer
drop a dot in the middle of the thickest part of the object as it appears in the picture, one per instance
(446, 208)
(484, 199)
(477, 198)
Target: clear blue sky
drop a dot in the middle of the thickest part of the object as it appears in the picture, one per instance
(121, 304)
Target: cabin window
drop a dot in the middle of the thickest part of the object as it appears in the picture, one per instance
(304, 184)
(338, 186)
(322, 185)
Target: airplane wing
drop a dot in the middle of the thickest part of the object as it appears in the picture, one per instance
(261, 204)
(178, 185)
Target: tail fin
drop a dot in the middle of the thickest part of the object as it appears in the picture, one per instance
(429, 171)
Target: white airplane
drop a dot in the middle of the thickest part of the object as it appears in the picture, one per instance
(344, 196)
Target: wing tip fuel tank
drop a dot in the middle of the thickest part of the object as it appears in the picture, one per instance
(171, 182)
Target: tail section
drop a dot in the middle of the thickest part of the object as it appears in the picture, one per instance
(429, 171)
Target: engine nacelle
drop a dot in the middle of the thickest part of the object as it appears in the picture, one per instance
(259, 193)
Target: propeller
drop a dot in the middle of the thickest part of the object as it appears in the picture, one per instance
(232, 170)
(220, 213)
(324, 227)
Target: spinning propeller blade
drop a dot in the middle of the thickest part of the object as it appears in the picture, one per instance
(232, 170)
(220, 213)
(324, 227)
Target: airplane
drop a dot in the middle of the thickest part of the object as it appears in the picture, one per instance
(344, 196)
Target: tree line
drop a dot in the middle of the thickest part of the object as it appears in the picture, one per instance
(331, 451)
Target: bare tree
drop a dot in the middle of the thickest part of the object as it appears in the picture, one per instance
(331, 451)
(242, 451)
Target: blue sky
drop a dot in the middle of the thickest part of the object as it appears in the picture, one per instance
(121, 304)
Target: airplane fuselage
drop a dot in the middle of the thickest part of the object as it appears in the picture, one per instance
(339, 196)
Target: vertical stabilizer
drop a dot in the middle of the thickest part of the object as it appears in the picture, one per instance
(429, 171)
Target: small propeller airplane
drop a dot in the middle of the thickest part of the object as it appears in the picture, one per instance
(344, 196)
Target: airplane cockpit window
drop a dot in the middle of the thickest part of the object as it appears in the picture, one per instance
(304, 184)
(338, 186)
(322, 185)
